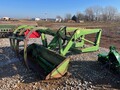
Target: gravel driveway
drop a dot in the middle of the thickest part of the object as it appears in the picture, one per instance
(84, 73)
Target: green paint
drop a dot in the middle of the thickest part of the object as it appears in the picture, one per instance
(111, 60)
(61, 69)
(44, 40)
(7, 26)
(76, 40)
(22, 27)
(51, 62)
(18, 28)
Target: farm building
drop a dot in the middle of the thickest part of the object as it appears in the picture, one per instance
(5, 18)
(36, 19)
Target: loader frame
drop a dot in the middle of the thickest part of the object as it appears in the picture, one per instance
(75, 41)
(61, 39)
(65, 40)
(60, 62)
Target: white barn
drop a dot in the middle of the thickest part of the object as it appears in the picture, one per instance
(37, 19)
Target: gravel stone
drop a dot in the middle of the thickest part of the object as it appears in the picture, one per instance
(85, 72)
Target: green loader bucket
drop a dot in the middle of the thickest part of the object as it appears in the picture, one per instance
(48, 64)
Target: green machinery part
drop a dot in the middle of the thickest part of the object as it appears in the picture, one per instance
(66, 38)
(74, 41)
(51, 64)
(6, 30)
(21, 29)
(18, 36)
(110, 60)
(47, 63)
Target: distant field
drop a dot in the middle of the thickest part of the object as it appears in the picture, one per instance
(18, 23)
(81, 25)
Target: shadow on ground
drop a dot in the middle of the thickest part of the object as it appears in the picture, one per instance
(90, 71)
(94, 72)
(11, 65)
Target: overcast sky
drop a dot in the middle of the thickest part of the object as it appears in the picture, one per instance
(49, 8)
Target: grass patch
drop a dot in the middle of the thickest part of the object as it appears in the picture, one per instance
(7, 26)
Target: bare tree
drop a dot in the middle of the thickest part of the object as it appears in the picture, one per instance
(117, 17)
(80, 16)
(89, 13)
(58, 16)
(97, 11)
(68, 16)
(109, 13)
(104, 17)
